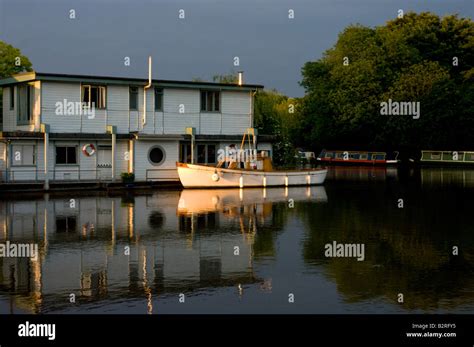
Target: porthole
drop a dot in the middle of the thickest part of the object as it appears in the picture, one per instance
(156, 155)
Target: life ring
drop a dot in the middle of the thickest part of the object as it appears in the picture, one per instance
(215, 177)
(88, 149)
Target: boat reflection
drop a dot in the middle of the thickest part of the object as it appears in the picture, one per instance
(362, 173)
(447, 176)
(207, 200)
(113, 249)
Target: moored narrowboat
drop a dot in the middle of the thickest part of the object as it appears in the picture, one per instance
(333, 157)
(430, 157)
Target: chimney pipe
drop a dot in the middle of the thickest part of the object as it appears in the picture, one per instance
(144, 91)
(241, 77)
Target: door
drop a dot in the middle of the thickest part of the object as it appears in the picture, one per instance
(104, 163)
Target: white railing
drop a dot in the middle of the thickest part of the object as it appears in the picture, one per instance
(59, 174)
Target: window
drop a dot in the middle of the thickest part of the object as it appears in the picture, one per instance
(66, 224)
(156, 155)
(134, 98)
(211, 154)
(185, 152)
(158, 99)
(94, 96)
(25, 104)
(23, 155)
(66, 155)
(201, 154)
(12, 98)
(206, 154)
(455, 156)
(1, 110)
(379, 157)
(210, 101)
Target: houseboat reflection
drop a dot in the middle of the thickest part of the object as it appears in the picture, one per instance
(113, 249)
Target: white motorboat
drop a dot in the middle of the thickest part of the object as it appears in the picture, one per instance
(203, 176)
(257, 170)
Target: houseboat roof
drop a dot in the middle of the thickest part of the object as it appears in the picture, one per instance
(40, 76)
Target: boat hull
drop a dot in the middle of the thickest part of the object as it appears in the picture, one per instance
(427, 163)
(200, 176)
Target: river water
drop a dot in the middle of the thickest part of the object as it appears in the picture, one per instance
(250, 250)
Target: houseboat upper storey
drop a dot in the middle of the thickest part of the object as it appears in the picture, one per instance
(76, 127)
(36, 98)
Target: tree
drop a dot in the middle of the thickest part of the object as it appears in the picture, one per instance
(276, 114)
(11, 62)
(418, 58)
(230, 78)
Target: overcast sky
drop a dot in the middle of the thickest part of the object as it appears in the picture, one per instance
(271, 47)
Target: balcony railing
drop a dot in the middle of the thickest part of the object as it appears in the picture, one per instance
(62, 175)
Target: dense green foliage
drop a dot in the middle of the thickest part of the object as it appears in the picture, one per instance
(230, 78)
(8, 64)
(8, 60)
(276, 114)
(417, 58)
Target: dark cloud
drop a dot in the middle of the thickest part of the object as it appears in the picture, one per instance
(271, 47)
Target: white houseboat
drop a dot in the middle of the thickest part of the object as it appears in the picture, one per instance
(73, 128)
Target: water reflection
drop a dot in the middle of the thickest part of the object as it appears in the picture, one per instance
(233, 251)
(362, 173)
(111, 248)
(445, 176)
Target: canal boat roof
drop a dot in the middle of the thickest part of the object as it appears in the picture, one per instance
(440, 151)
(447, 156)
(39, 76)
(342, 151)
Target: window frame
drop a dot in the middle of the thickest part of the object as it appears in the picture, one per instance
(162, 160)
(130, 93)
(26, 118)
(67, 163)
(13, 162)
(1, 111)
(102, 95)
(206, 152)
(67, 220)
(12, 98)
(161, 93)
(205, 108)
(185, 152)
